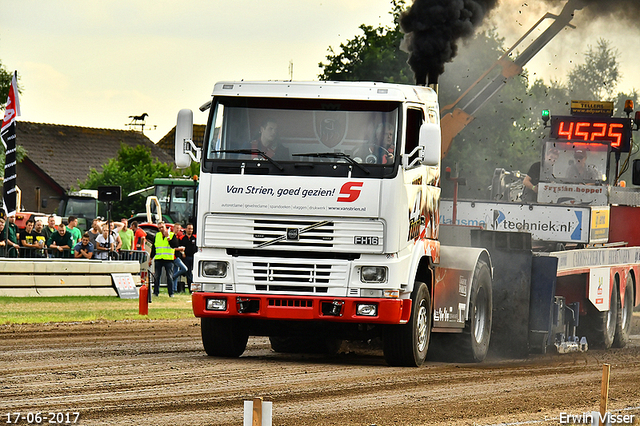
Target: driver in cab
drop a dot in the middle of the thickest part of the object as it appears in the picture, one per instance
(267, 141)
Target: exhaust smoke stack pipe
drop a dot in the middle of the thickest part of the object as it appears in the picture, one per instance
(433, 81)
(427, 78)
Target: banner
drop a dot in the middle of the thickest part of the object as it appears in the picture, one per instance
(8, 135)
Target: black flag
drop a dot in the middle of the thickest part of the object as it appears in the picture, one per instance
(8, 133)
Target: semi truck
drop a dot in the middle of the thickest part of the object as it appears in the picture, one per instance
(335, 234)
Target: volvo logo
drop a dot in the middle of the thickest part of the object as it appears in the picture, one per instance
(293, 234)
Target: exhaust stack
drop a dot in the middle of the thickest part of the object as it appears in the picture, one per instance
(428, 78)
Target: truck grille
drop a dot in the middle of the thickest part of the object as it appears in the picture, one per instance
(270, 232)
(291, 275)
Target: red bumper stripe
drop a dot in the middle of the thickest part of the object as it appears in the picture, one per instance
(390, 311)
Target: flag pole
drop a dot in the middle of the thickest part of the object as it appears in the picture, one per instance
(8, 136)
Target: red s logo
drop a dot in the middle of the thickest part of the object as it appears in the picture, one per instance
(350, 194)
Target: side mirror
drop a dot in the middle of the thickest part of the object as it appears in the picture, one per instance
(635, 176)
(184, 135)
(431, 142)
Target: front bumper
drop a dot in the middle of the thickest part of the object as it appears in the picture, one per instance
(305, 308)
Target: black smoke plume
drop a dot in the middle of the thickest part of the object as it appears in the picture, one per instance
(433, 29)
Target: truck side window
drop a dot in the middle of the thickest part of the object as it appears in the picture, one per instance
(415, 118)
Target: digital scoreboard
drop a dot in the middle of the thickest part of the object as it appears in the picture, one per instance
(615, 130)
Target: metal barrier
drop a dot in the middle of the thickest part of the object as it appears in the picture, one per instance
(140, 256)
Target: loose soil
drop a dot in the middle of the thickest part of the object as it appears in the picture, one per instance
(156, 373)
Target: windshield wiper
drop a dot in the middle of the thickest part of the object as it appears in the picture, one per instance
(334, 155)
(251, 152)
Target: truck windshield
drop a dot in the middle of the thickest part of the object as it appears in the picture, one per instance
(80, 207)
(177, 202)
(287, 129)
(574, 162)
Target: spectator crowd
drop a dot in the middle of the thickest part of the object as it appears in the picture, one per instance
(173, 250)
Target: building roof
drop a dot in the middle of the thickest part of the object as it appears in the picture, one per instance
(168, 142)
(68, 153)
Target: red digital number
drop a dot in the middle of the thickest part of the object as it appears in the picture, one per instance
(563, 132)
(602, 134)
(579, 133)
(616, 135)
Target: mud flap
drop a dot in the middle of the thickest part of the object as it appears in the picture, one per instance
(543, 289)
(511, 259)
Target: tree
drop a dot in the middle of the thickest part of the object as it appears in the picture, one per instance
(599, 76)
(133, 168)
(373, 56)
(5, 83)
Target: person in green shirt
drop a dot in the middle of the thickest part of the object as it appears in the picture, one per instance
(74, 231)
(12, 236)
(60, 243)
(7, 247)
(126, 236)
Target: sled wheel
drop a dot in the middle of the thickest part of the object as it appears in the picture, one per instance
(623, 323)
(600, 327)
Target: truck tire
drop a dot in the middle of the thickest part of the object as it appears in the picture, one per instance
(223, 337)
(472, 344)
(625, 313)
(600, 327)
(305, 345)
(406, 345)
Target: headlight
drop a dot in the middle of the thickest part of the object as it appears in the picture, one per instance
(214, 269)
(367, 309)
(216, 304)
(373, 274)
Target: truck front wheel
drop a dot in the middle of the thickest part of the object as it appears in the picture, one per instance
(223, 337)
(623, 323)
(406, 345)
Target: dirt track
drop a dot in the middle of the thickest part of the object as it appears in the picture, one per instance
(156, 373)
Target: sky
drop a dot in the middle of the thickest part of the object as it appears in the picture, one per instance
(96, 63)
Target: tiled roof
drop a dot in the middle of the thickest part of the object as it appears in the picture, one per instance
(68, 153)
(167, 143)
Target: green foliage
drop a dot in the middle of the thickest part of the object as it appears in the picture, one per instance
(599, 76)
(373, 56)
(5, 84)
(133, 168)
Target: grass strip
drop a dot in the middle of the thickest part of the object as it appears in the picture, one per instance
(34, 310)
